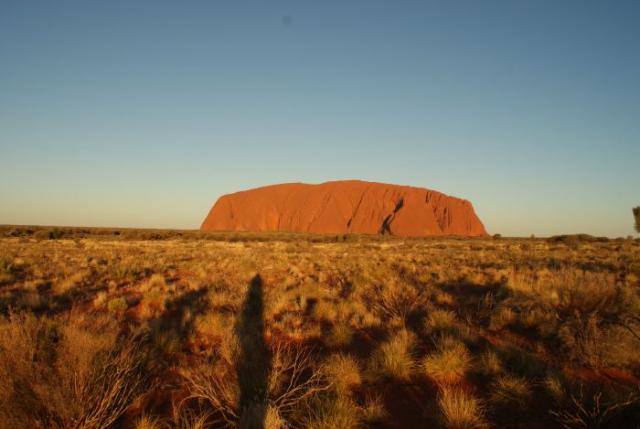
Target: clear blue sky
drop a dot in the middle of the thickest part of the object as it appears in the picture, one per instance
(132, 113)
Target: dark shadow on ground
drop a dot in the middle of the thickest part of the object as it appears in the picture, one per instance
(168, 333)
(171, 329)
(254, 364)
(411, 404)
(181, 311)
(43, 302)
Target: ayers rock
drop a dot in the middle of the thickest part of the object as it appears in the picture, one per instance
(343, 207)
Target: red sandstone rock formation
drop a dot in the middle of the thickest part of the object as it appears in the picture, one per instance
(344, 207)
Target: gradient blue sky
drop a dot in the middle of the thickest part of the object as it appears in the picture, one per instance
(131, 113)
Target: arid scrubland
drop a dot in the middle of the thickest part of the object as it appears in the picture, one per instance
(275, 331)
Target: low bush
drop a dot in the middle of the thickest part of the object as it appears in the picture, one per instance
(449, 363)
(511, 390)
(460, 410)
(394, 358)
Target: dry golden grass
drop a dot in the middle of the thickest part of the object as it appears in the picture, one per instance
(148, 422)
(460, 410)
(283, 330)
(332, 412)
(343, 371)
(511, 391)
(373, 409)
(490, 364)
(340, 334)
(60, 374)
(394, 358)
(440, 321)
(449, 362)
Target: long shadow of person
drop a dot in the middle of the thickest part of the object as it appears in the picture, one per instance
(254, 363)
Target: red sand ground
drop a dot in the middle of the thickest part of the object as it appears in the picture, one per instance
(344, 207)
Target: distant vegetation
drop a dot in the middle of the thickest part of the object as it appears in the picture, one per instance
(150, 329)
(126, 234)
(52, 233)
(636, 215)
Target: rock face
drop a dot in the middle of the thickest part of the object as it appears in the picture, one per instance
(344, 207)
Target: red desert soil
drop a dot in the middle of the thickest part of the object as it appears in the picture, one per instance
(343, 207)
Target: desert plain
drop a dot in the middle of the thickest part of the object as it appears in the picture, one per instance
(148, 329)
